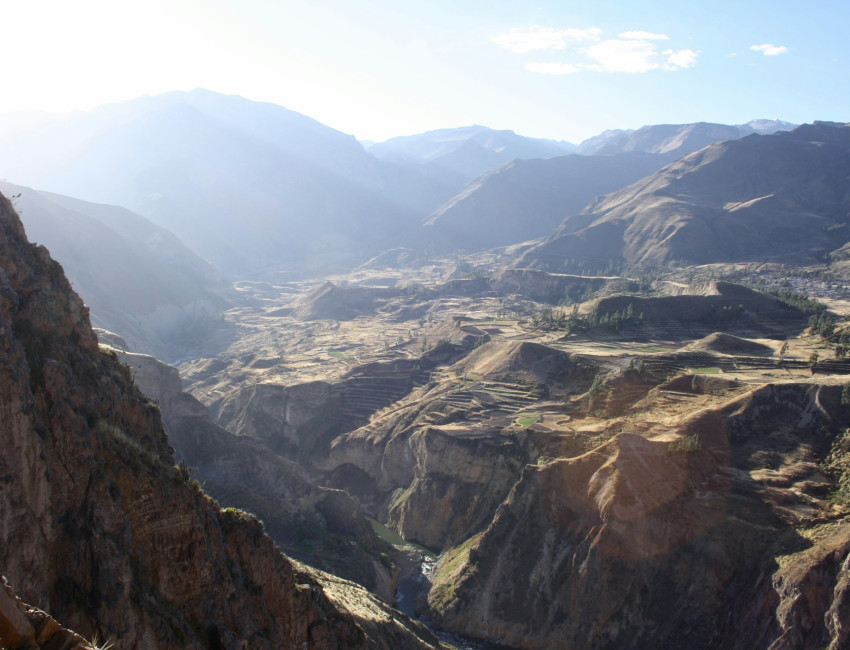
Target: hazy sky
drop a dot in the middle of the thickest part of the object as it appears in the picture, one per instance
(380, 68)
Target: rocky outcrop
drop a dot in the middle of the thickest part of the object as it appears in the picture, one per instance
(437, 464)
(27, 628)
(718, 538)
(101, 530)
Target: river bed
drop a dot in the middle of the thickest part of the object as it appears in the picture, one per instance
(417, 565)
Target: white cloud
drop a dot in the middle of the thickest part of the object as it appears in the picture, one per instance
(678, 59)
(589, 34)
(633, 52)
(620, 55)
(552, 68)
(769, 50)
(532, 39)
(640, 35)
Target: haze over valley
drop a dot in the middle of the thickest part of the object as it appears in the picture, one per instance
(504, 329)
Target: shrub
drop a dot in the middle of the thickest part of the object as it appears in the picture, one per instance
(687, 444)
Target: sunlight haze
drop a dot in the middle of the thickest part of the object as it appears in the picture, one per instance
(378, 69)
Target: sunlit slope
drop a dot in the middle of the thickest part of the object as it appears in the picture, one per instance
(778, 197)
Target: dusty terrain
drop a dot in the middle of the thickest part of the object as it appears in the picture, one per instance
(445, 406)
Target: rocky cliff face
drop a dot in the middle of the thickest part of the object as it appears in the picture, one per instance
(101, 530)
(22, 626)
(718, 538)
(437, 464)
(320, 526)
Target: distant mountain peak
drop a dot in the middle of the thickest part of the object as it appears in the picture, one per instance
(770, 126)
(468, 150)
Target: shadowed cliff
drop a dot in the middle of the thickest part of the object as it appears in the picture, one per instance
(104, 533)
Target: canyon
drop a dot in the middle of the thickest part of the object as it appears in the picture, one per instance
(527, 415)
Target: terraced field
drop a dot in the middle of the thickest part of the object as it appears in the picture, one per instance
(436, 403)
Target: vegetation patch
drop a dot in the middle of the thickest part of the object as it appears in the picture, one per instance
(837, 465)
(235, 519)
(558, 319)
(686, 444)
(794, 299)
(525, 420)
(709, 370)
(447, 573)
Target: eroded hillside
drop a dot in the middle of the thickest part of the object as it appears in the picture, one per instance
(657, 468)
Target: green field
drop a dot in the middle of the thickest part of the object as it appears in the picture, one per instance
(525, 420)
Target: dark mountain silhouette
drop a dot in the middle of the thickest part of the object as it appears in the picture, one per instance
(138, 279)
(784, 196)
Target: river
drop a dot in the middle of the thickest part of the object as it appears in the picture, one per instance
(417, 564)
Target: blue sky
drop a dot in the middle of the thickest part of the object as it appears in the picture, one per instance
(380, 68)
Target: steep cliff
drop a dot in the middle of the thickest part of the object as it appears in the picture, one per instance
(718, 537)
(28, 628)
(101, 530)
(142, 281)
(436, 464)
(317, 525)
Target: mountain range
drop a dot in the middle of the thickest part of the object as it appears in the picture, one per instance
(466, 151)
(527, 199)
(782, 197)
(677, 139)
(248, 186)
(252, 187)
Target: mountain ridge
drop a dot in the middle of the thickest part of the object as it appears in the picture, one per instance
(248, 186)
(779, 196)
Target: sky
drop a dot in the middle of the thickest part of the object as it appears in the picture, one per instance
(382, 68)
